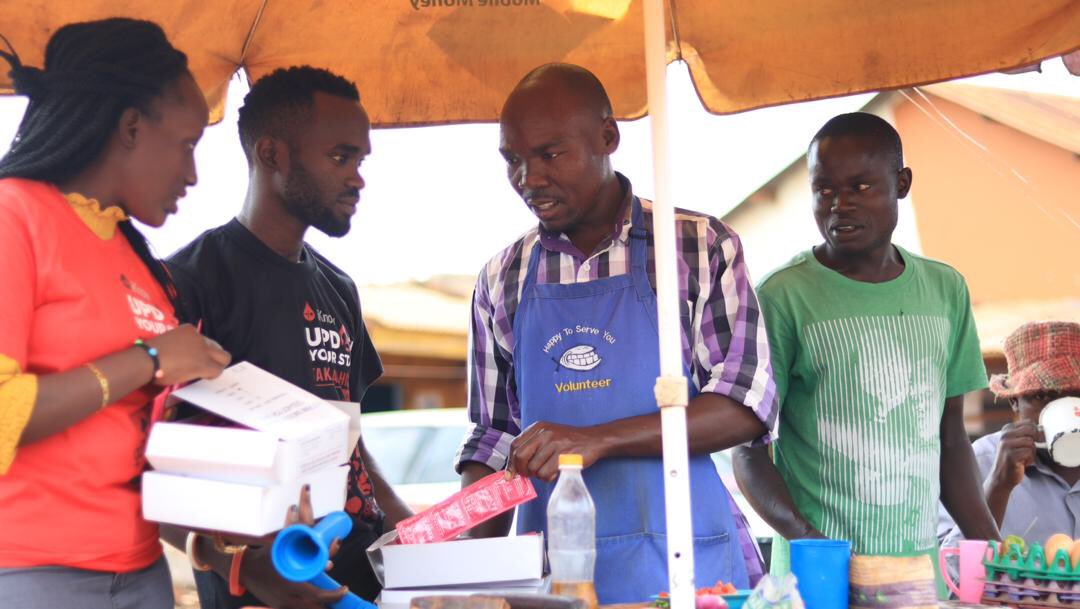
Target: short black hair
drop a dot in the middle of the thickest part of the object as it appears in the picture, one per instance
(577, 79)
(278, 102)
(864, 123)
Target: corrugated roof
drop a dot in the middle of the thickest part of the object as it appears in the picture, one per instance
(1050, 118)
(416, 307)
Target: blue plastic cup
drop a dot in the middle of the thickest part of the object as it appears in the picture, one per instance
(821, 567)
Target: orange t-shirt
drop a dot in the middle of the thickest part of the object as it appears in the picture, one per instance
(67, 297)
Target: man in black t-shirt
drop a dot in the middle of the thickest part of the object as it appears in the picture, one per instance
(270, 299)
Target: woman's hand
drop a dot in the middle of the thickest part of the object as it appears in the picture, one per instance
(261, 578)
(186, 355)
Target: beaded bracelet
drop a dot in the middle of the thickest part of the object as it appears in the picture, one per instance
(153, 353)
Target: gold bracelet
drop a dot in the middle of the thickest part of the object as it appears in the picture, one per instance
(104, 382)
(225, 547)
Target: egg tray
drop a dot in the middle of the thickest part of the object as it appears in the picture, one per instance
(1029, 580)
(1017, 565)
(1029, 593)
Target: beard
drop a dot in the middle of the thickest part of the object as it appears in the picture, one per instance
(306, 202)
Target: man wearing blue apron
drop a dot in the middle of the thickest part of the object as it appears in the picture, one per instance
(565, 349)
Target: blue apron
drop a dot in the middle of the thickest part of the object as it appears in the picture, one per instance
(585, 354)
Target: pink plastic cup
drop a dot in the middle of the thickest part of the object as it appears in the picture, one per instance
(972, 571)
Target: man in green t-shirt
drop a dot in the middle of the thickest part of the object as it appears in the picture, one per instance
(873, 349)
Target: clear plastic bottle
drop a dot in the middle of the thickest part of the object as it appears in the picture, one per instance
(571, 518)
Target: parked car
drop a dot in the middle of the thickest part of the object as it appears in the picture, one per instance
(415, 450)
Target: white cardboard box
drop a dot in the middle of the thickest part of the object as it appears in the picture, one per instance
(246, 509)
(402, 598)
(352, 410)
(515, 561)
(291, 432)
(225, 453)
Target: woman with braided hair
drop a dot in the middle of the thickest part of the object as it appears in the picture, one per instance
(87, 328)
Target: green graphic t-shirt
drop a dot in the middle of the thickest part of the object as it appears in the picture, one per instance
(862, 372)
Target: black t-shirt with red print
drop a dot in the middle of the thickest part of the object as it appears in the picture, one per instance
(300, 321)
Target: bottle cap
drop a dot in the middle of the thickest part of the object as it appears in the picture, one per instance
(570, 459)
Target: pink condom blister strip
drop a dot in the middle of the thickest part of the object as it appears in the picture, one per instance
(480, 501)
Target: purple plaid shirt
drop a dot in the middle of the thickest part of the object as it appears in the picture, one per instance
(719, 310)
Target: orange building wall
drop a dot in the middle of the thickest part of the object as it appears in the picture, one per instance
(974, 214)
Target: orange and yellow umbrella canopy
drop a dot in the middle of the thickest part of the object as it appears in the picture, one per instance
(422, 62)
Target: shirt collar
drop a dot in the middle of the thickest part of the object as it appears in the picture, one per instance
(1045, 469)
(102, 222)
(620, 228)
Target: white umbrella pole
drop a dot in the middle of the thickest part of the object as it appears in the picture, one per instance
(671, 392)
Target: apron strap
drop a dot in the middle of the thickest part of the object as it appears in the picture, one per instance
(530, 276)
(639, 252)
(639, 256)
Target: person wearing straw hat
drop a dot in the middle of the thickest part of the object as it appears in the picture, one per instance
(564, 344)
(873, 350)
(1029, 493)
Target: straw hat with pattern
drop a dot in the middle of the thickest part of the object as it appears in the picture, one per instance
(1043, 357)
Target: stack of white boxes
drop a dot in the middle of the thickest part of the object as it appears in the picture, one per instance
(243, 479)
(498, 565)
